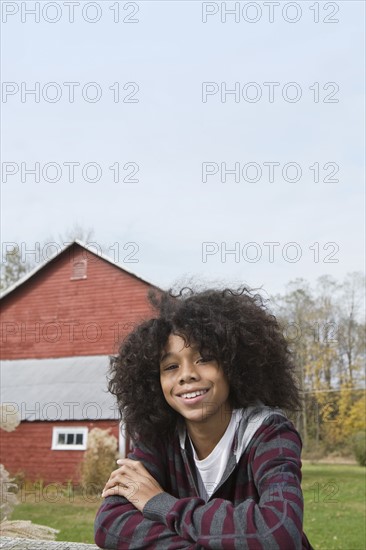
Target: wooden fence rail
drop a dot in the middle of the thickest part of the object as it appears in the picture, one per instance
(9, 543)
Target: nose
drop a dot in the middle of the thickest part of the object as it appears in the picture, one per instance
(187, 372)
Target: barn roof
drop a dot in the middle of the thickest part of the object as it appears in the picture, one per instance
(90, 250)
(66, 388)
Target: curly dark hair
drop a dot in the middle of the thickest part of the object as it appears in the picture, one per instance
(235, 327)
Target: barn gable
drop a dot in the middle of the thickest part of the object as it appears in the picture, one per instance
(78, 303)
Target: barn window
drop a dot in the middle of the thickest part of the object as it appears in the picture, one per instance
(69, 439)
(79, 269)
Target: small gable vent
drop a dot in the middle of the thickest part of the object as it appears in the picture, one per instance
(78, 270)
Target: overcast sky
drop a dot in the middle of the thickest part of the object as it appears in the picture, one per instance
(179, 132)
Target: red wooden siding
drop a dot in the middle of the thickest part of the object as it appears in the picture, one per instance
(28, 450)
(51, 315)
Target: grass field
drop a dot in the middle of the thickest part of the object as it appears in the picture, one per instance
(334, 509)
(335, 506)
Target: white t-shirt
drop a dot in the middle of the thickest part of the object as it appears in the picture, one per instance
(210, 470)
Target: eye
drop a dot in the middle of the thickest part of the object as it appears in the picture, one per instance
(170, 367)
(206, 359)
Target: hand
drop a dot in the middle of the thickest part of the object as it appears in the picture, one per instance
(133, 482)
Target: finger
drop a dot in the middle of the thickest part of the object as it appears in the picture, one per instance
(117, 490)
(129, 490)
(111, 487)
(115, 473)
(128, 462)
(118, 480)
(136, 470)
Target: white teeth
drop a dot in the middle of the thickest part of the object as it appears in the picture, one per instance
(193, 394)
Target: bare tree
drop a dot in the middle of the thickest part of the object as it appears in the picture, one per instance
(13, 267)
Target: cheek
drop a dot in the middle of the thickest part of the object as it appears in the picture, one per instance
(164, 388)
(225, 386)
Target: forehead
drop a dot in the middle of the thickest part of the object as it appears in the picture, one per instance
(177, 345)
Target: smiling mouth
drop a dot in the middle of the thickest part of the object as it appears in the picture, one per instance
(192, 395)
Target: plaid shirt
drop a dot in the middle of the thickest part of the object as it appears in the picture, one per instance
(257, 505)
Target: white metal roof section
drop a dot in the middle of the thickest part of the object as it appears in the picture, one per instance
(62, 249)
(66, 388)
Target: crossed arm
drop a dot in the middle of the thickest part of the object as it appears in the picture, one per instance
(133, 482)
(120, 524)
(139, 514)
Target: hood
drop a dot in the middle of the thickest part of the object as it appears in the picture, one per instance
(249, 420)
(252, 418)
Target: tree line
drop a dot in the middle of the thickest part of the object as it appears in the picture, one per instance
(325, 327)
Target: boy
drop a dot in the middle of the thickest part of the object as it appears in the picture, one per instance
(216, 463)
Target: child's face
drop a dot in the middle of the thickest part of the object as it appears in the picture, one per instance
(184, 370)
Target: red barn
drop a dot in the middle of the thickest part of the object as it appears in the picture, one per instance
(59, 324)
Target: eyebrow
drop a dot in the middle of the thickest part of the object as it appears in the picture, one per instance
(172, 354)
(166, 355)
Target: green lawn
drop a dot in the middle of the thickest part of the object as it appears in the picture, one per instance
(335, 506)
(334, 509)
(72, 514)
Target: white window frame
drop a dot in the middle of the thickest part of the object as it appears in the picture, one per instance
(69, 430)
